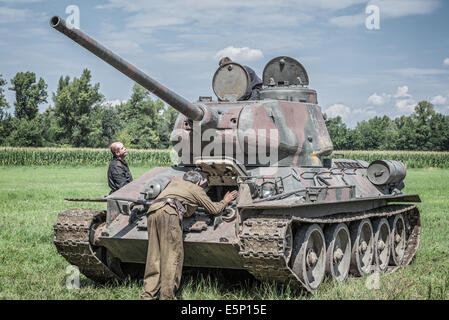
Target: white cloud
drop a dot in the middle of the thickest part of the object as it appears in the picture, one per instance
(331, 5)
(402, 8)
(206, 14)
(220, 6)
(402, 92)
(378, 100)
(338, 110)
(10, 15)
(348, 21)
(20, 1)
(219, 14)
(388, 9)
(446, 62)
(239, 54)
(439, 100)
(406, 105)
(419, 72)
(349, 115)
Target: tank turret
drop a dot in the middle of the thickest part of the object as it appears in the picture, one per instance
(284, 128)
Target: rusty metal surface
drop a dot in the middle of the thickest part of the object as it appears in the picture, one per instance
(284, 71)
(128, 241)
(230, 82)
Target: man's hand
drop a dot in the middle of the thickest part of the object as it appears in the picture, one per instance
(229, 196)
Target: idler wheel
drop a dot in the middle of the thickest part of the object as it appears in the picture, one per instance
(382, 244)
(398, 239)
(338, 254)
(309, 256)
(362, 240)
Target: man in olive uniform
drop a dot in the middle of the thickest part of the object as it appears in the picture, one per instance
(118, 172)
(165, 242)
(255, 83)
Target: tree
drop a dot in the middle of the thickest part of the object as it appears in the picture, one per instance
(25, 133)
(439, 132)
(169, 116)
(74, 104)
(374, 134)
(106, 123)
(51, 128)
(3, 114)
(424, 112)
(405, 135)
(29, 94)
(3, 103)
(142, 118)
(338, 132)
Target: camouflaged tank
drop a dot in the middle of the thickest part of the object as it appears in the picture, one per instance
(300, 215)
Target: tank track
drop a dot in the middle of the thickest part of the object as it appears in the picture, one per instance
(72, 232)
(266, 251)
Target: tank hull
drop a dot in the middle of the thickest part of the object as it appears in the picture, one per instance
(259, 238)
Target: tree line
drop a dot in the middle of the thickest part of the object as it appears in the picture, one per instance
(424, 130)
(79, 117)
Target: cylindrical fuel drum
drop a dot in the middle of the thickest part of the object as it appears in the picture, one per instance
(382, 172)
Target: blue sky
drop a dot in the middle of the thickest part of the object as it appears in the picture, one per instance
(358, 73)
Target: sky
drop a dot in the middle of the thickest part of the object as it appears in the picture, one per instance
(365, 58)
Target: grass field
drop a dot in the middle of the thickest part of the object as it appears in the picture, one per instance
(30, 268)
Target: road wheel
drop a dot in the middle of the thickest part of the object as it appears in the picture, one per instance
(362, 240)
(398, 240)
(382, 244)
(309, 256)
(338, 252)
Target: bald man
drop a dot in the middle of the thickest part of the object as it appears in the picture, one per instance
(118, 172)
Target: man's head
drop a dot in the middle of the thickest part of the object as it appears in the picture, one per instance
(224, 61)
(118, 150)
(195, 177)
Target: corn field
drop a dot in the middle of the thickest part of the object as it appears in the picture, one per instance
(78, 157)
(101, 157)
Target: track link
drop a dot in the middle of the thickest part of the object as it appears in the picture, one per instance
(266, 250)
(72, 239)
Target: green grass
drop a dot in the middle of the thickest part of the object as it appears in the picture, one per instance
(30, 267)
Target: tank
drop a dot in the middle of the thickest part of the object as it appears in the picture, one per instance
(301, 214)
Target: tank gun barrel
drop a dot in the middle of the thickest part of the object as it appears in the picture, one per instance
(187, 108)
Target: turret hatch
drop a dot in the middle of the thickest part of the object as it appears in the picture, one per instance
(284, 71)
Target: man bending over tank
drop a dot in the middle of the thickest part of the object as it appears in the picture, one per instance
(118, 171)
(165, 242)
(255, 84)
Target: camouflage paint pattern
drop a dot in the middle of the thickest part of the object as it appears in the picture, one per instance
(257, 233)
